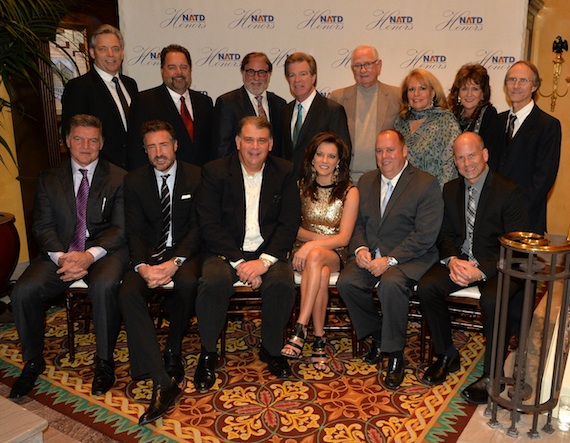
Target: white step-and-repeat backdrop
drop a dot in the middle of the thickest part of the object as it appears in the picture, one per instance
(436, 35)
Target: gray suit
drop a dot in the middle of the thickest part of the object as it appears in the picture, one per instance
(407, 231)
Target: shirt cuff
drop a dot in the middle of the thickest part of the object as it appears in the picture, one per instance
(97, 252)
(272, 259)
(54, 256)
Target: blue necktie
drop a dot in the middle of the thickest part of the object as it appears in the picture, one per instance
(298, 123)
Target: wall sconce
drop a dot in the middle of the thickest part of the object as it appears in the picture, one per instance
(558, 46)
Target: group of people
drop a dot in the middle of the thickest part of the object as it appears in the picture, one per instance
(255, 189)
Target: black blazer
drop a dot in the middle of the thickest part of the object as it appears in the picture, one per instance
(531, 160)
(88, 94)
(501, 209)
(324, 115)
(235, 105)
(221, 208)
(144, 217)
(157, 104)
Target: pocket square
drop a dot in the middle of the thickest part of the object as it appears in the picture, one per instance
(186, 197)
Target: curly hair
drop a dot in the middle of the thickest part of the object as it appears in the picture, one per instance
(477, 74)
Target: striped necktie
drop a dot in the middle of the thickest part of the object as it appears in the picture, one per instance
(166, 218)
(260, 110)
(79, 237)
(471, 211)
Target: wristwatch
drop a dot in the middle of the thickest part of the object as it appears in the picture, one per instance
(392, 261)
(266, 263)
(178, 261)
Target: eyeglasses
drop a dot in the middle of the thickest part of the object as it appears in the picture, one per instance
(367, 65)
(513, 81)
(252, 72)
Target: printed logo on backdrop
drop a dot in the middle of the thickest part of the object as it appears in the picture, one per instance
(321, 20)
(145, 56)
(252, 19)
(344, 60)
(495, 60)
(460, 21)
(390, 21)
(183, 18)
(219, 58)
(279, 55)
(424, 58)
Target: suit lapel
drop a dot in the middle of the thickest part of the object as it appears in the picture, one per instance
(382, 107)
(66, 181)
(245, 103)
(396, 193)
(238, 191)
(312, 116)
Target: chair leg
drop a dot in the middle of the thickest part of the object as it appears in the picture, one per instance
(70, 327)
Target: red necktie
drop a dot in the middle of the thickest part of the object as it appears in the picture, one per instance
(186, 117)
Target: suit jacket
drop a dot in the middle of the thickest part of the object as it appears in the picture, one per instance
(409, 227)
(501, 209)
(531, 160)
(221, 208)
(157, 104)
(88, 94)
(143, 212)
(387, 109)
(324, 115)
(54, 209)
(235, 105)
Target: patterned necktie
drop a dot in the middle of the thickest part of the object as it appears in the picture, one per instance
(122, 98)
(166, 218)
(260, 110)
(78, 242)
(511, 128)
(298, 123)
(186, 117)
(390, 188)
(471, 210)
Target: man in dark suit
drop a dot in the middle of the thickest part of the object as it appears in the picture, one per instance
(163, 235)
(101, 91)
(469, 247)
(251, 99)
(189, 112)
(393, 242)
(310, 112)
(249, 212)
(80, 229)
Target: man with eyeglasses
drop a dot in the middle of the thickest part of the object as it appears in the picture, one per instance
(371, 106)
(251, 99)
(310, 112)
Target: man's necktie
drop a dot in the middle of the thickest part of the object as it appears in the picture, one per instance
(186, 117)
(298, 123)
(471, 210)
(78, 242)
(122, 97)
(166, 218)
(511, 128)
(390, 188)
(260, 110)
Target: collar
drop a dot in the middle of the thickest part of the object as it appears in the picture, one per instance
(395, 179)
(105, 75)
(75, 167)
(523, 112)
(172, 171)
(308, 101)
(252, 96)
(478, 185)
(176, 96)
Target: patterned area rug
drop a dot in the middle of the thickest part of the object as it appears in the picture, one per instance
(347, 403)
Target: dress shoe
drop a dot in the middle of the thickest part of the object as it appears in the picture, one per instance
(162, 399)
(205, 375)
(27, 378)
(278, 366)
(174, 365)
(374, 355)
(104, 377)
(395, 372)
(437, 372)
(476, 392)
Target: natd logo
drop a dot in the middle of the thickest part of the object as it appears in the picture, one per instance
(322, 19)
(424, 58)
(219, 57)
(183, 18)
(390, 21)
(344, 60)
(145, 56)
(252, 19)
(495, 60)
(279, 55)
(460, 21)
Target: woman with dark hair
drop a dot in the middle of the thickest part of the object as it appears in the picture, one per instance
(328, 215)
(428, 127)
(469, 100)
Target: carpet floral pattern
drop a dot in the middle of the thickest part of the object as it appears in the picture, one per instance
(347, 403)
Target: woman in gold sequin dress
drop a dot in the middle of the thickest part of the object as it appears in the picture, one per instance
(328, 214)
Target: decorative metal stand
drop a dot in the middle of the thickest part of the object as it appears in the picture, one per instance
(518, 260)
(558, 46)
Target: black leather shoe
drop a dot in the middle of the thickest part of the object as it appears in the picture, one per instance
(476, 392)
(104, 377)
(162, 399)
(28, 377)
(205, 375)
(374, 355)
(174, 365)
(395, 372)
(437, 372)
(278, 366)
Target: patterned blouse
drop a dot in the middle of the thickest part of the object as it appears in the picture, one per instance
(430, 147)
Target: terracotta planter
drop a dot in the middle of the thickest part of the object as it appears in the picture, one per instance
(9, 248)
